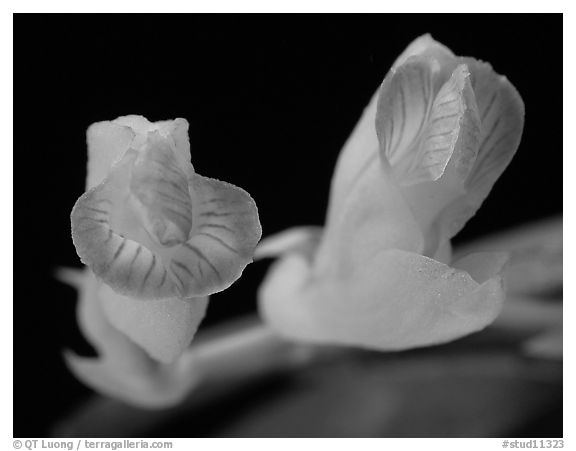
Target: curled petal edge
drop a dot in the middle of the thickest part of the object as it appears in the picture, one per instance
(221, 243)
(399, 300)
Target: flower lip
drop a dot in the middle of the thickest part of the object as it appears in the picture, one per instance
(153, 228)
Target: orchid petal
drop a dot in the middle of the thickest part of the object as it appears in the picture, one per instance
(444, 154)
(425, 45)
(154, 229)
(418, 302)
(361, 149)
(398, 189)
(123, 370)
(502, 116)
(164, 328)
(529, 314)
(377, 218)
(303, 240)
(536, 253)
(548, 345)
(223, 239)
(422, 121)
(176, 131)
(150, 389)
(107, 143)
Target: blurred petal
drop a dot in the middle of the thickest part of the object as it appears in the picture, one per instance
(395, 301)
(122, 369)
(371, 282)
(548, 345)
(153, 389)
(536, 255)
(502, 115)
(302, 240)
(529, 314)
(163, 328)
(71, 276)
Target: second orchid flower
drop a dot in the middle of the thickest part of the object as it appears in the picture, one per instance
(424, 156)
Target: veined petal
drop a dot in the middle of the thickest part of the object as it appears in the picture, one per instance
(124, 263)
(425, 115)
(160, 187)
(154, 229)
(502, 117)
(397, 300)
(360, 151)
(163, 328)
(223, 239)
(445, 156)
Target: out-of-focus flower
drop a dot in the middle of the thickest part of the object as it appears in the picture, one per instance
(533, 283)
(424, 156)
(159, 239)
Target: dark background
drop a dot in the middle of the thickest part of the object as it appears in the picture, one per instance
(270, 100)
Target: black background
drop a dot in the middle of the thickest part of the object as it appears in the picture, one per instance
(270, 100)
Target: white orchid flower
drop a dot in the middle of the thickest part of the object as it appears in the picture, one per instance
(159, 238)
(425, 154)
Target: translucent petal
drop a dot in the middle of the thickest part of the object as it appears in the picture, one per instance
(374, 217)
(445, 156)
(160, 187)
(425, 115)
(529, 314)
(153, 389)
(175, 130)
(396, 301)
(536, 255)
(109, 140)
(107, 143)
(303, 240)
(360, 151)
(424, 45)
(548, 345)
(164, 328)
(502, 117)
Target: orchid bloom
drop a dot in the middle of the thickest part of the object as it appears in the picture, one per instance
(425, 154)
(158, 239)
